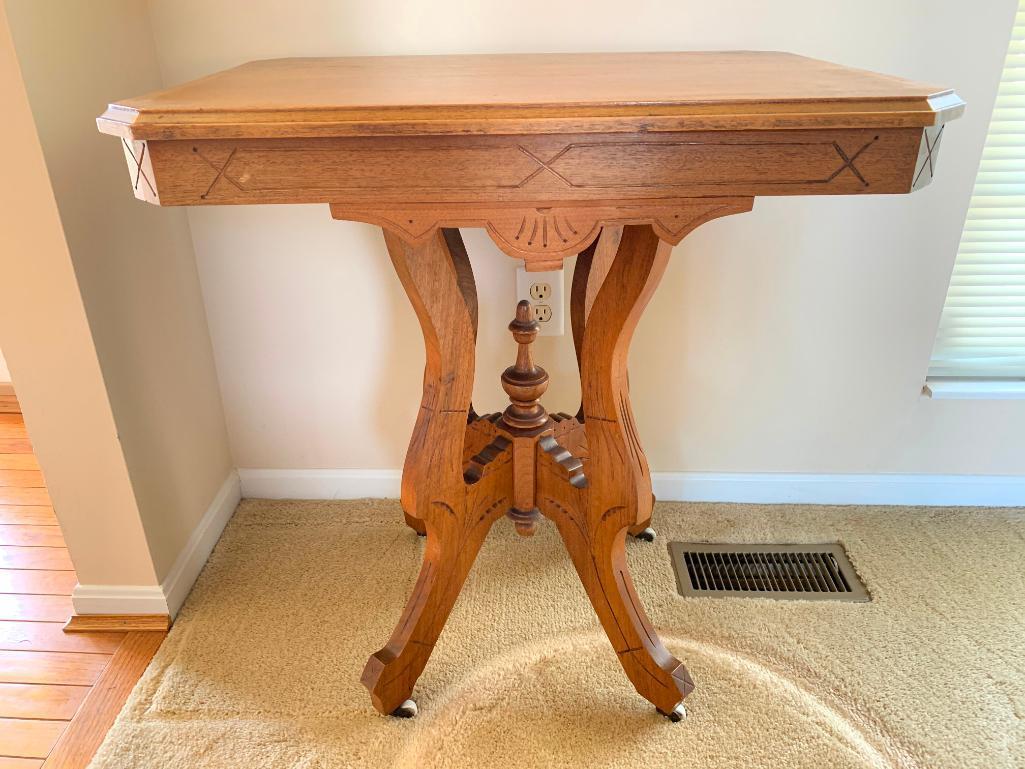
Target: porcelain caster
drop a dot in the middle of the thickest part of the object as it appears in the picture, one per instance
(677, 714)
(407, 710)
(648, 535)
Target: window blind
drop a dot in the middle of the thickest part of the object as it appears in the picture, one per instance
(982, 330)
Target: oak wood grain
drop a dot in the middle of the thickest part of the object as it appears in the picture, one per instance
(456, 515)
(526, 93)
(84, 734)
(37, 581)
(18, 462)
(7, 762)
(22, 478)
(50, 637)
(35, 608)
(30, 535)
(29, 739)
(45, 701)
(25, 667)
(106, 623)
(19, 496)
(14, 557)
(36, 515)
(593, 521)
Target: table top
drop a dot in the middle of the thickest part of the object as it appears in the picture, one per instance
(528, 93)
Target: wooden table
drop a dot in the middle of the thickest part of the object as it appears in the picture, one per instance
(615, 157)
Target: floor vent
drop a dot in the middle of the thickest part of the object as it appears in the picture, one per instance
(802, 572)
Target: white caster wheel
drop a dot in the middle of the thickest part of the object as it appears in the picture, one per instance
(677, 714)
(406, 710)
(648, 535)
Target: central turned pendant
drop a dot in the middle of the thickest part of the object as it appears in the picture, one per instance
(527, 425)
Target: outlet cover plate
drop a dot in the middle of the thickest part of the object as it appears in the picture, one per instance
(548, 291)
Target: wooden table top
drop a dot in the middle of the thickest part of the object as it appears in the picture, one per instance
(528, 94)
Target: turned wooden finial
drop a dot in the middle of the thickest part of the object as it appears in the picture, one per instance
(524, 382)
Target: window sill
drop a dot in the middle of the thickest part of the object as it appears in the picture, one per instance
(974, 389)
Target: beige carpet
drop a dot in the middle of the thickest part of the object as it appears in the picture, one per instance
(262, 666)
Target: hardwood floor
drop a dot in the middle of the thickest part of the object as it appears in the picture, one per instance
(59, 692)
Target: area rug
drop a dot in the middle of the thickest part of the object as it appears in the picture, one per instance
(262, 666)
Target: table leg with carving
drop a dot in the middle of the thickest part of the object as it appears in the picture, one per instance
(453, 242)
(455, 514)
(588, 473)
(591, 269)
(594, 520)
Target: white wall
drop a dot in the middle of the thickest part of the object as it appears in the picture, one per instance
(794, 338)
(135, 274)
(47, 340)
(5, 374)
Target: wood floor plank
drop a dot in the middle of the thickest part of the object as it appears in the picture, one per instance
(12, 431)
(29, 739)
(15, 496)
(31, 536)
(50, 637)
(37, 581)
(84, 734)
(19, 462)
(25, 479)
(36, 608)
(12, 557)
(15, 446)
(45, 701)
(12, 419)
(51, 668)
(6, 762)
(35, 515)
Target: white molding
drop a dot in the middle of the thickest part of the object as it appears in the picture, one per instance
(119, 599)
(764, 488)
(168, 597)
(974, 389)
(843, 488)
(193, 556)
(320, 484)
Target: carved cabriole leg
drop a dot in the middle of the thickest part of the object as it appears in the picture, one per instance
(593, 521)
(468, 290)
(589, 275)
(455, 515)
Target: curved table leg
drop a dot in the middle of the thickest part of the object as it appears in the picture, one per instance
(448, 247)
(593, 521)
(455, 515)
(589, 275)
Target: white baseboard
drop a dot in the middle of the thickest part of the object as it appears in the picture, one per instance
(763, 488)
(193, 557)
(843, 488)
(119, 599)
(168, 597)
(320, 484)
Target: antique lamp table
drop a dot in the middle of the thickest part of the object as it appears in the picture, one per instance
(612, 157)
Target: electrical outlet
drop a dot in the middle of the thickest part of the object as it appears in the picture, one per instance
(540, 291)
(544, 291)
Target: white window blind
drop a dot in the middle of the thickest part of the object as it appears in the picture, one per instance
(982, 331)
